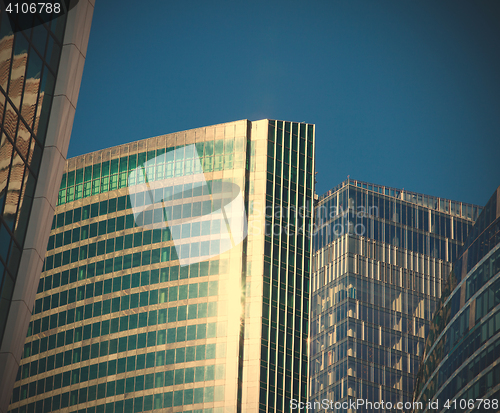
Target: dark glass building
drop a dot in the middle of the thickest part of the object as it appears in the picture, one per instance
(41, 64)
(170, 282)
(461, 363)
(380, 257)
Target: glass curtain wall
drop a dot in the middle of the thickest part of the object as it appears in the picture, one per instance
(145, 303)
(460, 369)
(28, 69)
(380, 258)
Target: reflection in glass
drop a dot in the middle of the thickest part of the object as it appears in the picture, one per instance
(24, 81)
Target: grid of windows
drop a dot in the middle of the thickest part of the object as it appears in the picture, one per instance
(461, 354)
(112, 367)
(287, 247)
(121, 243)
(137, 320)
(196, 395)
(125, 302)
(110, 175)
(111, 205)
(392, 221)
(176, 230)
(379, 264)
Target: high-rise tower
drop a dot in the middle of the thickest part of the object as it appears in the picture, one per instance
(460, 369)
(380, 257)
(177, 276)
(42, 55)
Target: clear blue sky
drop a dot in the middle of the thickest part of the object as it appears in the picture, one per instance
(403, 93)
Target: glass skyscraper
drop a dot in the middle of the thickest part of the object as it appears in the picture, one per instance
(380, 257)
(177, 276)
(41, 64)
(460, 370)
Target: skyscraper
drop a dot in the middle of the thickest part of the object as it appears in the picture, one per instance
(177, 276)
(380, 257)
(41, 64)
(460, 369)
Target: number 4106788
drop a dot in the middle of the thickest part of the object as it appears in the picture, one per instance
(465, 404)
(32, 8)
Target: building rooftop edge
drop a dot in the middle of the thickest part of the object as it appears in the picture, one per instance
(176, 132)
(397, 192)
(155, 137)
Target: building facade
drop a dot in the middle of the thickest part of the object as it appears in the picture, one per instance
(170, 283)
(380, 256)
(41, 64)
(461, 363)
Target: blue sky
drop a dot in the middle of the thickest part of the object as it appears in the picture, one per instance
(403, 94)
